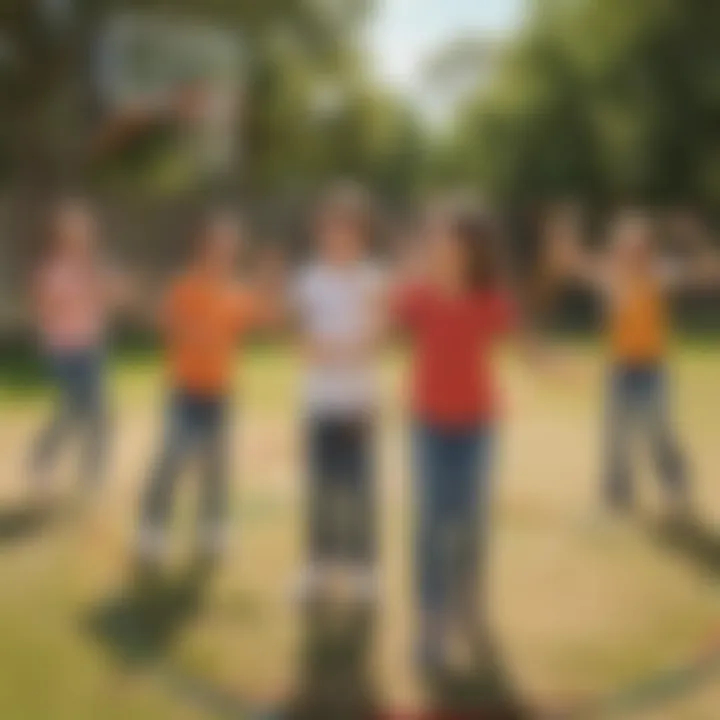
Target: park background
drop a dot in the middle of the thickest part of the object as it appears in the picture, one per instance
(597, 102)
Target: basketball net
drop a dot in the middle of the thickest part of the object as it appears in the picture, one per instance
(209, 112)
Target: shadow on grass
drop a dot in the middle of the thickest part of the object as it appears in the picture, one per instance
(484, 691)
(140, 625)
(21, 371)
(692, 540)
(655, 691)
(27, 521)
(335, 674)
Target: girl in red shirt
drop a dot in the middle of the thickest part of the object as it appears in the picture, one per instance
(455, 312)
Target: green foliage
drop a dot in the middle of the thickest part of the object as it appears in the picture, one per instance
(604, 99)
(607, 99)
(292, 50)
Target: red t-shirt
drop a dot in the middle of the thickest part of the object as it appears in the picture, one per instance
(453, 338)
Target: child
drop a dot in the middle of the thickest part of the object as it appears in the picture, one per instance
(337, 301)
(204, 315)
(455, 310)
(634, 282)
(73, 295)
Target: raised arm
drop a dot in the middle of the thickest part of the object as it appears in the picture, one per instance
(564, 254)
(120, 290)
(270, 282)
(406, 276)
(699, 265)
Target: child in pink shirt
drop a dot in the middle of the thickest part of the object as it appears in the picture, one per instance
(73, 294)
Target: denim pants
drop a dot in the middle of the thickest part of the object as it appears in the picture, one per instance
(341, 497)
(637, 403)
(196, 426)
(452, 514)
(81, 408)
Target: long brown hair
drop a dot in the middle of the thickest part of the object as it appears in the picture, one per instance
(481, 239)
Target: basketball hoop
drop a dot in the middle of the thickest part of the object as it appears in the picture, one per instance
(178, 71)
(209, 112)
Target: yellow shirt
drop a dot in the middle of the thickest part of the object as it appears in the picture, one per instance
(639, 322)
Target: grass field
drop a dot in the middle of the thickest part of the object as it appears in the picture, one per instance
(582, 606)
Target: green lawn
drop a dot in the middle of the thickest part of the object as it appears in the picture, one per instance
(582, 606)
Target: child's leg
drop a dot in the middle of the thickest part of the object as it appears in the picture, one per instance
(63, 418)
(431, 484)
(665, 449)
(472, 518)
(358, 524)
(323, 454)
(157, 501)
(95, 419)
(215, 485)
(618, 489)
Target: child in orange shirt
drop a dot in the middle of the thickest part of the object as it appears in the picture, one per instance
(205, 313)
(634, 282)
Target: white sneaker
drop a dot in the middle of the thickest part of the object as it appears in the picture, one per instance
(213, 542)
(364, 583)
(458, 651)
(41, 488)
(151, 546)
(310, 584)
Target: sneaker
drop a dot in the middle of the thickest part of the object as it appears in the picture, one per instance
(459, 652)
(151, 547)
(41, 488)
(620, 505)
(680, 512)
(429, 659)
(363, 583)
(213, 542)
(311, 584)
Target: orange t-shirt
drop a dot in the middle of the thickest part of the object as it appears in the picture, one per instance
(204, 323)
(638, 323)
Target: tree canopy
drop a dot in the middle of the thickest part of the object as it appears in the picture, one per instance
(310, 108)
(603, 99)
(606, 100)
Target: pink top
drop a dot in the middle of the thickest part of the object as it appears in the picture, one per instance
(71, 304)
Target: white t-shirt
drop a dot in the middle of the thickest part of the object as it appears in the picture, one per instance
(336, 307)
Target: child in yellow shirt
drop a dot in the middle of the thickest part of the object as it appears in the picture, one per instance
(634, 282)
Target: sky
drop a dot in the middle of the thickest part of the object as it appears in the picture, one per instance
(405, 32)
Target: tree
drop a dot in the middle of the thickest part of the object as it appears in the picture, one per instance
(287, 45)
(606, 99)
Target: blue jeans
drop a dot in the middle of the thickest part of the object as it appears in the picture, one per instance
(452, 468)
(195, 425)
(79, 378)
(637, 402)
(341, 499)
